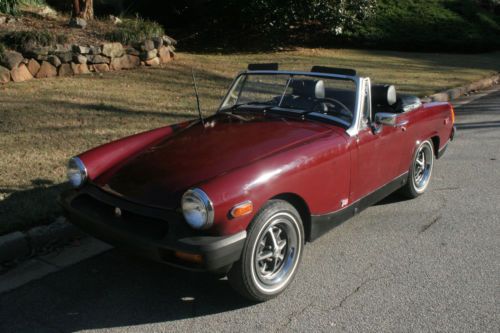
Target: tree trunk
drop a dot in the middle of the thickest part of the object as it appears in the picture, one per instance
(76, 8)
(88, 9)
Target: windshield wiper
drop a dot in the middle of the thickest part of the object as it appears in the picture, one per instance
(251, 103)
(286, 88)
(237, 116)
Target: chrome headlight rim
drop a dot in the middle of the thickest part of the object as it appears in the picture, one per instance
(207, 203)
(80, 166)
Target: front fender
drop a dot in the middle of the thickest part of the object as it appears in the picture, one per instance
(318, 172)
(100, 159)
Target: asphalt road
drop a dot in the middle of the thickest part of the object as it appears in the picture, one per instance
(430, 264)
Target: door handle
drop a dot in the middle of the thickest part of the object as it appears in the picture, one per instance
(402, 124)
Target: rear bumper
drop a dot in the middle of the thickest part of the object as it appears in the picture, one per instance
(147, 236)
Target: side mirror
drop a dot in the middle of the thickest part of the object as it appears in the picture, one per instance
(385, 118)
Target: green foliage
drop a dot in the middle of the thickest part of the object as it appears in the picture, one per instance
(2, 51)
(437, 25)
(263, 23)
(489, 4)
(27, 40)
(334, 16)
(38, 3)
(135, 30)
(9, 7)
(424, 25)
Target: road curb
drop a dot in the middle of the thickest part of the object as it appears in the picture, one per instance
(454, 93)
(21, 245)
(13, 245)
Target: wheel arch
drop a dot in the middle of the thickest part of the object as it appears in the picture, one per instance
(433, 138)
(300, 204)
(435, 143)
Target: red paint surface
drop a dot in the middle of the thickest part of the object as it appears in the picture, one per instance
(161, 174)
(102, 158)
(234, 160)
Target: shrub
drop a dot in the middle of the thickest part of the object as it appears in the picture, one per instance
(27, 40)
(432, 25)
(135, 30)
(2, 51)
(9, 6)
(279, 20)
(270, 23)
(334, 16)
(33, 2)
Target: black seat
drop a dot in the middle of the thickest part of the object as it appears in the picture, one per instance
(384, 98)
(304, 95)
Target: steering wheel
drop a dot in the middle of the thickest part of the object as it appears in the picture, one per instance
(326, 105)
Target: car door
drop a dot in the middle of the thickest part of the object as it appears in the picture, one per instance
(377, 152)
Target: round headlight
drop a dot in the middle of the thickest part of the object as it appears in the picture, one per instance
(197, 208)
(77, 173)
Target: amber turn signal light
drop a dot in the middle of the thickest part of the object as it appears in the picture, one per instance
(452, 116)
(241, 209)
(195, 258)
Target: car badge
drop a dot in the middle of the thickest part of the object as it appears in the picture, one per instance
(118, 212)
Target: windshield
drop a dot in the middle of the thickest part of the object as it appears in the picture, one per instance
(324, 97)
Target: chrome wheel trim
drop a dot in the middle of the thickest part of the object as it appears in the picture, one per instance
(276, 253)
(422, 167)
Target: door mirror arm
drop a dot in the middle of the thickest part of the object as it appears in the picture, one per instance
(375, 127)
(386, 118)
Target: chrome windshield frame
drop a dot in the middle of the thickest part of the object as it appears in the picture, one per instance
(360, 82)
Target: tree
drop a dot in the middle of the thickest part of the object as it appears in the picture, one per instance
(490, 5)
(76, 8)
(88, 9)
(83, 9)
(274, 17)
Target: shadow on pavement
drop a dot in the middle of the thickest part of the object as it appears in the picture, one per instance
(391, 198)
(113, 290)
(476, 125)
(30, 205)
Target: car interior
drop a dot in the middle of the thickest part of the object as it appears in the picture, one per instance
(337, 104)
(385, 99)
(312, 96)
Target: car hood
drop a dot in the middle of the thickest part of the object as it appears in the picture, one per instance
(159, 175)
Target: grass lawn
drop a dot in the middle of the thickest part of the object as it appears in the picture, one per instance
(44, 122)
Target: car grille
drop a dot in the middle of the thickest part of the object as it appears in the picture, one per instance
(151, 223)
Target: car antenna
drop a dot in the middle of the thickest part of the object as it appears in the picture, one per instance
(197, 98)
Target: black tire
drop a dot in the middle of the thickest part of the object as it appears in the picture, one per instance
(420, 173)
(276, 235)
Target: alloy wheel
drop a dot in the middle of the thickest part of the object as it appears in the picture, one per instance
(422, 167)
(275, 253)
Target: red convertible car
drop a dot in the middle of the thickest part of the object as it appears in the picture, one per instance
(288, 156)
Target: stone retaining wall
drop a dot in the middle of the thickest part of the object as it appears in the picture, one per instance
(454, 93)
(66, 60)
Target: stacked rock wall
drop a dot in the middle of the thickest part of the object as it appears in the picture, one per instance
(67, 60)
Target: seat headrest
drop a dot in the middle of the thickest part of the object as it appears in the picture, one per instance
(384, 94)
(309, 88)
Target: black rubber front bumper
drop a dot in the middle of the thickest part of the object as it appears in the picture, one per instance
(156, 234)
